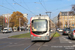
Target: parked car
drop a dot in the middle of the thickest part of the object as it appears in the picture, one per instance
(66, 31)
(6, 30)
(57, 29)
(71, 35)
(60, 30)
(51, 30)
(14, 29)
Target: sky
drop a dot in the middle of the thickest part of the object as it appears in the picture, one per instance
(35, 7)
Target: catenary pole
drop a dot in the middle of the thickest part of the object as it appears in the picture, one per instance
(50, 17)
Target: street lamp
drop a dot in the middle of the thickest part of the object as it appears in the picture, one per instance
(19, 22)
(17, 4)
(3, 21)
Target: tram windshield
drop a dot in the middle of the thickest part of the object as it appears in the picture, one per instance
(39, 25)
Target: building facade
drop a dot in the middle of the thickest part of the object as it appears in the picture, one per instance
(8, 15)
(25, 15)
(67, 19)
(52, 24)
(7, 18)
(55, 19)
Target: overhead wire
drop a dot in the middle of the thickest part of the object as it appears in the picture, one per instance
(26, 4)
(54, 9)
(24, 7)
(61, 8)
(42, 5)
(10, 4)
(6, 7)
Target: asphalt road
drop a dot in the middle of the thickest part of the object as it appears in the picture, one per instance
(59, 43)
(65, 39)
(6, 35)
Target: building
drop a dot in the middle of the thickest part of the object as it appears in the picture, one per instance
(7, 18)
(52, 24)
(67, 19)
(25, 15)
(8, 15)
(55, 20)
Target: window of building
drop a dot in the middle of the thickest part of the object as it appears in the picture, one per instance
(64, 13)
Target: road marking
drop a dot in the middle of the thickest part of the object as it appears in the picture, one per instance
(70, 42)
(16, 45)
(65, 38)
(73, 45)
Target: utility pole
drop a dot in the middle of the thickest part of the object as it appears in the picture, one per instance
(3, 21)
(50, 17)
(8, 20)
(19, 25)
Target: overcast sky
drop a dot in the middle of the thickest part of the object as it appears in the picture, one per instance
(35, 7)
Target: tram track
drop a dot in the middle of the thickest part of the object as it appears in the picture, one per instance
(30, 46)
(41, 45)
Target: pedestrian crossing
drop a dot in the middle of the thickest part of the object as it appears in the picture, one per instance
(64, 39)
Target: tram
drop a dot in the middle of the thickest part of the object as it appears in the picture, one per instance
(40, 28)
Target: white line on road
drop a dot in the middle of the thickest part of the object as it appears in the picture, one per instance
(70, 42)
(16, 45)
(73, 45)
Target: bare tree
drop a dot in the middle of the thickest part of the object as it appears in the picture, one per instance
(59, 24)
(73, 8)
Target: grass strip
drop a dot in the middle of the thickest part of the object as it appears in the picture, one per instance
(56, 34)
(26, 35)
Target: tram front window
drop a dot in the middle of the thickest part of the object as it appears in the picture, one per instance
(39, 25)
